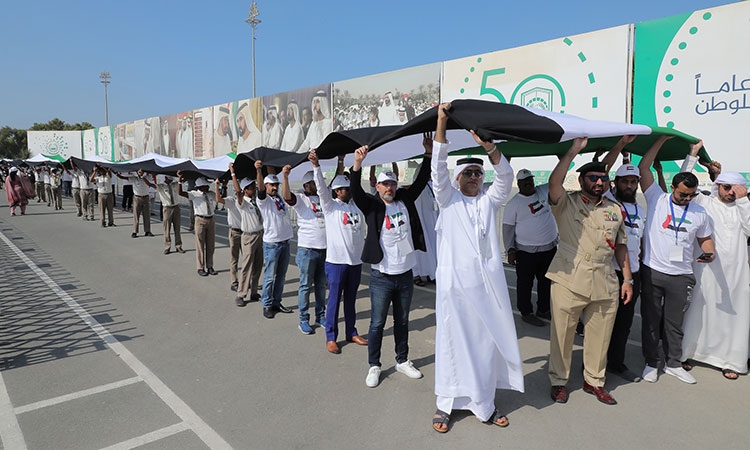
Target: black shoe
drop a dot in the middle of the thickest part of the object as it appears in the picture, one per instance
(112, 224)
(149, 234)
(180, 250)
(544, 315)
(269, 313)
(532, 320)
(166, 251)
(79, 215)
(626, 374)
(255, 298)
(239, 301)
(134, 235)
(282, 308)
(202, 273)
(211, 271)
(233, 287)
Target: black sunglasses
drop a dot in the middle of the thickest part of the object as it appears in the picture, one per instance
(468, 173)
(595, 178)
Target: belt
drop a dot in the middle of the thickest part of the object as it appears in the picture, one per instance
(170, 206)
(204, 217)
(142, 196)
(253, 232)
(236, 229)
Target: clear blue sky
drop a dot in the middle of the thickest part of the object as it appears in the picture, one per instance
(168, 56)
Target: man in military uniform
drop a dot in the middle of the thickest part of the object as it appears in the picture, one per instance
(583, 275)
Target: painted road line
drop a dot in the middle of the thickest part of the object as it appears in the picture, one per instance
(150, 437)
(75, 395)
(10, 432)
(207, 434)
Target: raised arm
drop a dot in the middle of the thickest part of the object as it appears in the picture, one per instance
(219, 199)
(237, 191)
(339, 165)
(259, 180)
(324, 192)
(118, 175)
(289, 196)
(93, 174)
(647, 178)
(615, 151)
(423, 176)
(660, 176)
(557, 177)
(501, 185)
(441, 180)
(363, 201)
(180, 180)
(150, 184)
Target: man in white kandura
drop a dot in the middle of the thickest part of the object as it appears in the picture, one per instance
(476, 347)
(717, 323)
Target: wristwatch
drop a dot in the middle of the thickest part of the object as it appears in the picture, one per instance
(630, 282)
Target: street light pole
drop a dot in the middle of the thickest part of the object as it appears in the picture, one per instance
(105, 81)
(253, 21)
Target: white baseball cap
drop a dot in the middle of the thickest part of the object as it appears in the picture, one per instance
(308, 177)
(523, 174)
(271, 179)
(628, 170)
(341, 181)
(245, 182)
(201, 182)
(387, 175)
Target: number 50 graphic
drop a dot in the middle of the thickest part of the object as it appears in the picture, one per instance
(536, 91)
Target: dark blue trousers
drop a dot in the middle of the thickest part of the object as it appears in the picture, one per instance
(342, 279)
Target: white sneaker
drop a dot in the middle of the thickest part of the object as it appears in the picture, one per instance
(408, 369)
(650, 374)
(681, 374)
(373, 377)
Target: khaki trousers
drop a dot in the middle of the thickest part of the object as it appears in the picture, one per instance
(172, 219)
(141, 207)
(205, 241)
(598, 320)
(107, 205)
(48, 194)
(252, 263)
(87, 203)
(57, 197)
(39, 191)
(77, 200)
(235, 243)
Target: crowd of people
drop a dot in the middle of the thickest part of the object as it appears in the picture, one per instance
(365, 112)
(593, 253)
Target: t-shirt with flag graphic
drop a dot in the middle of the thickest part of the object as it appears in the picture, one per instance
(276, 224)
(634, 216)
(663, 230)
(396, 242)
(345, 231)
(311, 222)
(533, 222)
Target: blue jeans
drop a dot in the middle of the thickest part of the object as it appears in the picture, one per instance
(384, 291)
(276, 255)
(311, 263)
(343, 281)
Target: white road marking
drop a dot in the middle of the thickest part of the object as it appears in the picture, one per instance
(10, 431)
(75, 395)
(149, 437)
(207, 434)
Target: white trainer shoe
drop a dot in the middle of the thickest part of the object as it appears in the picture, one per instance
(681, 374)
(650, 374)
(408, 369)
(373, 377)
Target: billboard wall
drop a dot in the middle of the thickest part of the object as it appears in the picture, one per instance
(390, 98)
(586, 75)
(692, 72)
(104, 143)
(177, 135)
(203, 133)
(55, 143)
(247, 125)
(297, 121)
(147, 136)
(89, 143)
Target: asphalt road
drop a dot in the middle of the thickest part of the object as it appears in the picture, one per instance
(107, 343)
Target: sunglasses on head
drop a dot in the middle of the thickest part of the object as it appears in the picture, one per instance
(595, 178)
(468, 173)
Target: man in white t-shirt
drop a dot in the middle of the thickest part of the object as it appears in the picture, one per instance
(345, 239)
(75, 186)
(394, 231)
(311, 248)
(530, 238)
(87, 194)
(673, 225)
(277, 231)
